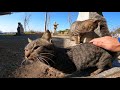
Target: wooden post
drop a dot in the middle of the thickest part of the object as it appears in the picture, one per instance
(46, 21)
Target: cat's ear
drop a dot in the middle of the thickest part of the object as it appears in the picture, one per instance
(29, 40)
(47, 35)
(50, 41)
(96, 20)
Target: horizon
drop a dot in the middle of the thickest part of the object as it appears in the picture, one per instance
(8, 23)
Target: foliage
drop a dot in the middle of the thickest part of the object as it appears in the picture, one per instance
(0, 31)
(115, 32)
(30, 32)
(62, 31)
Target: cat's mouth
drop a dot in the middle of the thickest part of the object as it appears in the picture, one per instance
(26, 61)
(31, 59)
(42, 57)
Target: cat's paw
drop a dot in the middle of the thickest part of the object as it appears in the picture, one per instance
(96, 72)
(93, 74)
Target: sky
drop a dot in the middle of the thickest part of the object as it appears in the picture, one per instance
(9, 23)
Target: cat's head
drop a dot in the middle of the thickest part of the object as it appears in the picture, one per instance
(85, 26)
(89, 25)
(40, 49)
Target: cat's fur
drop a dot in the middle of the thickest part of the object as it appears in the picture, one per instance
(68, 60)
(42, 49)
(88, 55)
(80, 30)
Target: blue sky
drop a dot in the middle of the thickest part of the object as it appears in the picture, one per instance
(8, 23)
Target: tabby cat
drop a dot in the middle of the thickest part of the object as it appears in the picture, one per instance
(44, 50)
(68, 60)
(88, 55)
(81, 30)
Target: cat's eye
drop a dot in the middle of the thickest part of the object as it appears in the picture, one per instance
(25, 49)
(36, 47)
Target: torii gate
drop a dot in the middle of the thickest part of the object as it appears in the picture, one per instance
(102, 29)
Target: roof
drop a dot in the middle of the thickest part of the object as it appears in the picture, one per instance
(5, 13)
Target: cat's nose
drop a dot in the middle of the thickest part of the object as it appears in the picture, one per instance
(26, 58)
(27, 54)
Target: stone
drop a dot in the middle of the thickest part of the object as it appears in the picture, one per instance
(55, 28)
(20, 29)
(108, 73)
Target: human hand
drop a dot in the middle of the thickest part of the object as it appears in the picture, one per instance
(107, 42)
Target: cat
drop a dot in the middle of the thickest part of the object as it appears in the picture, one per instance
(44, 50)
(81, 30)
(68, 60)
(87, 55)
(41, 46)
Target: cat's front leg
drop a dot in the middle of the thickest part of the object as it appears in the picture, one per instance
(77, 39)
(96, 72)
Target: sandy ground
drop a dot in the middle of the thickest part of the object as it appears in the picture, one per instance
(12, 52)
(12, 55)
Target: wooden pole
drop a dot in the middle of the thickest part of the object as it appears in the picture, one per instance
(46, 21)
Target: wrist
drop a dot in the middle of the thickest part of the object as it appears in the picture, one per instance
(119, 39)
(117, 47)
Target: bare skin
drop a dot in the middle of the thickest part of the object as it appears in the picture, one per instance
(107, 42)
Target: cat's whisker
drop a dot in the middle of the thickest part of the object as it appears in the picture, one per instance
(48, 54)
(48, 58)
(40, 58)
(23, 62)
(45, 61)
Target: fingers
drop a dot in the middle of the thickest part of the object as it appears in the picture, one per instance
(91, 41)
(100, 44)
(101, 39)
(95, 40)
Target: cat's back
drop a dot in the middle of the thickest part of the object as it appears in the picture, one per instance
(86, 48)
(86, 54)
(83, 25)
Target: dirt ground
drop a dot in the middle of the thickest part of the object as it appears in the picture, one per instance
(12, 54)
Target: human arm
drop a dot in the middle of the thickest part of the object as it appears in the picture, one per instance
(107, 42)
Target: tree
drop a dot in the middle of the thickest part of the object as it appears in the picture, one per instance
(115, 32)
(69, 18)
(47, 21)
(26, 20)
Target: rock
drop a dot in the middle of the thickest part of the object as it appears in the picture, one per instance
(108, 73)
